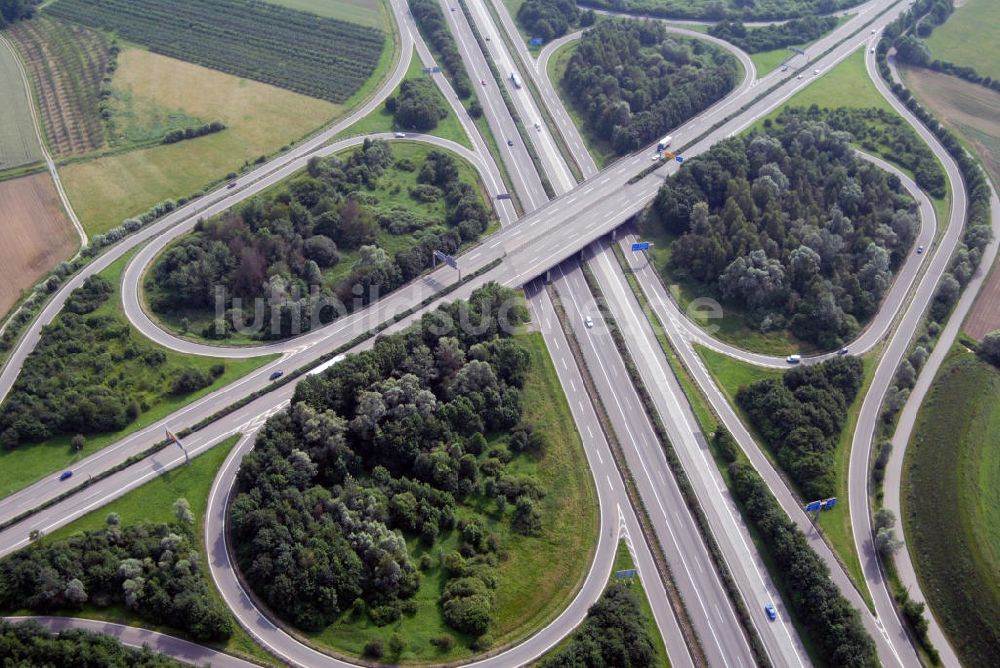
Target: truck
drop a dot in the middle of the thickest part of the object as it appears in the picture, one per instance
(664, 143)
(516, 80)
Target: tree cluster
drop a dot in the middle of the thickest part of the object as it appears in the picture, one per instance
(387, 445)
(989, 349)
(548, 19)
(154, 570)
(89, 375)
(30, 644)
(15, 10)
(791, 227)
(284, 248)
(613, 634)
(718, 10)
(175, 136)
(800, 418)
(833, 625)
(430, 19)
(632, 82)
(774, 36)
(418, 106)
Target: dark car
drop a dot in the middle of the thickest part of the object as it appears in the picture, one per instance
(232, 184)
(65, 475)
(510, 142)
(842, 351)
(772, 614)
(276, 375)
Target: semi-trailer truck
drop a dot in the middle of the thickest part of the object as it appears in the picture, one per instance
(664, 143)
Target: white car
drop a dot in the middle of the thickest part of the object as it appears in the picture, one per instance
(799, 77)
(399, 135)
(873, 49)
(920, 250)
(588, 321)
(873, 31)
(816, 72)
(655, 157)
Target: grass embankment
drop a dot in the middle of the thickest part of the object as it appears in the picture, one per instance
(381, 120)
(731, 375)
(152, 503)
(18, 141)
(539, 575)
(969, 37)
(951, 504)
(392, 191)
(29, 462)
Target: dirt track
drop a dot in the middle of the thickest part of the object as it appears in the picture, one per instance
(35, 234)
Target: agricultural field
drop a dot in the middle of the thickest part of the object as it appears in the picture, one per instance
(985, 316)
(363, 12)
(317, 56)
(18, 140)
(259, 120)
(970, 109)
(951, 504)
(66, 63)
(969, 37)
(37, 234)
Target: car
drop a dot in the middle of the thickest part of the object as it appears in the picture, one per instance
(799, 77)
(588, 321)
(487, 38)
(482, 81)
(793, 359)
(920, 249)
(232, 184)
(65, 475)
(784, 68)
(873, 31)
(772, 614)
(538, 127)
(510, 142)
(842, 351)
(873, 49)
(815, 71)
(399, 135)
(276, 375)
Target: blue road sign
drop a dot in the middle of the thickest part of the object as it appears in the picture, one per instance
(679, 158)
(641, 246)
(830, 503)
(621, 575)
(536, 41)
(447, 259)
(813, 506)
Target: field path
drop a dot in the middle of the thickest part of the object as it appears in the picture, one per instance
(45, 152)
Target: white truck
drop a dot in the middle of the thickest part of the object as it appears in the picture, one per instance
(664, 143)
(516, 80)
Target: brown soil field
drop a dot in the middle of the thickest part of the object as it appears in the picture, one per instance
(66, 63)
(985, 314)
(36, 234)
(970, 109)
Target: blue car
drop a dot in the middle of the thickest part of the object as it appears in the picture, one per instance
(277, 374)
(772, 614)
(66, 475)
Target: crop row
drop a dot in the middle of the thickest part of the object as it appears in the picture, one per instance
(316, 56)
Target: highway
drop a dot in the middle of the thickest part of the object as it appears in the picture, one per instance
(545, 237)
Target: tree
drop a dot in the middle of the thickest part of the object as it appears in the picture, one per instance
(884, 519)
(419, 106)
(989, 349)
(886, 542)
(182, 511)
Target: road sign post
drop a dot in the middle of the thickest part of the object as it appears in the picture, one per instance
(176, 441)
(448, 260)
(641, 246)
